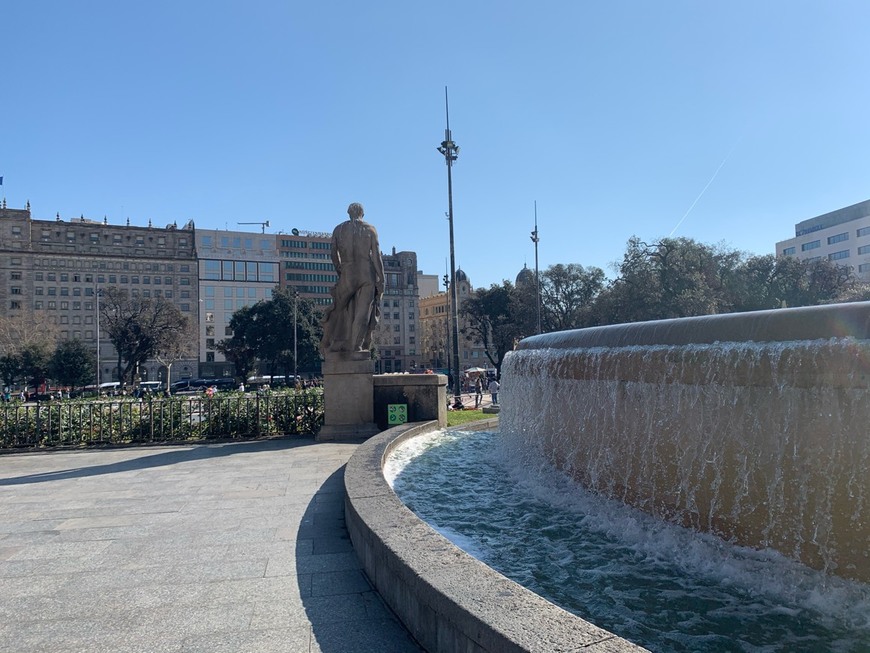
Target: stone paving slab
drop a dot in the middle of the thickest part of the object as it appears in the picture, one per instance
(230, 547)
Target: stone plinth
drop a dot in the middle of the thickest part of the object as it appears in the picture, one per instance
(424, 394)
(348, 394)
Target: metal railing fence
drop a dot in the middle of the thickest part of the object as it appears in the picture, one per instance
(175, 419)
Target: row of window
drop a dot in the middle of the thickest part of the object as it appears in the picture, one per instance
(209, 330)
(237, 242)
(396, 316)
(304, 244)
(86, 264)
(94, 237)
(125, 280)
(229, 304)
(311, 277)
(308, 265)
(836, 238)
(52, 305)
(238, 291)
(239, 271)
(305, 255)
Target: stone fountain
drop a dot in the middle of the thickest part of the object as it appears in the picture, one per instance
(754, 426)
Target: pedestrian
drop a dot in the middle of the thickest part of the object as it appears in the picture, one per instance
(241, 387)
(478, 392)
(493, 391)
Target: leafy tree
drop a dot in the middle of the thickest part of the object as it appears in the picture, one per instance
(264, 332)
(35, 362)
(239, 348)
(10, 368)
(138, 327)
(73, 364)
(767, 282)
(674, 277)
(857, 291)
(490, 318)
(567, 296)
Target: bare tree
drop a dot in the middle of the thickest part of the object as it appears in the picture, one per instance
(138, 327)
(16, 335)
(178, 345)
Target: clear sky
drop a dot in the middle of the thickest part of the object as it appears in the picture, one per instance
(725, 122)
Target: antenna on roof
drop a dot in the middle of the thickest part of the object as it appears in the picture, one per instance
(263, 225)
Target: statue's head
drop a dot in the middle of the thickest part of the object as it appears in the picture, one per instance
(355, 211)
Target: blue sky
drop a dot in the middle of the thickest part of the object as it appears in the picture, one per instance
(613, 116)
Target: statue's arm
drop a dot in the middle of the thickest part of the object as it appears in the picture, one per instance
(378, 263)
(333, 252)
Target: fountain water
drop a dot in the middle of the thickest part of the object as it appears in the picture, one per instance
(752, 426)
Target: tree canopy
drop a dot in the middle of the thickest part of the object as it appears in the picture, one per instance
(264, 332)
(73, 364)
(668, 278)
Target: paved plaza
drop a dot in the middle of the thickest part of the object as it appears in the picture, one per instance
(228, 547)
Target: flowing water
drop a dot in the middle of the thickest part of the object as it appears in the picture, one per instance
(665, 587)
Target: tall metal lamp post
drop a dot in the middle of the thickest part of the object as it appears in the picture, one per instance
(295, 366)
(446, 280)
(450, 151)
(536, 240)
(97, 293)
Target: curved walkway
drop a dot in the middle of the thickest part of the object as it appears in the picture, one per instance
(216, 547)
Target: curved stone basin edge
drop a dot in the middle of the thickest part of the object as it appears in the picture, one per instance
(791, 324)
(448, 600)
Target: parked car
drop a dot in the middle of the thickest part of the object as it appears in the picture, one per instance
(42, 396)
(199, 385)
(146, 388)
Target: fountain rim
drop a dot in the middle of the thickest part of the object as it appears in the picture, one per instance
(806, 323)
(446, 598)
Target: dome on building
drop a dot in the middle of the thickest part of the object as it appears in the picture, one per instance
(460, 275)
(526, 276)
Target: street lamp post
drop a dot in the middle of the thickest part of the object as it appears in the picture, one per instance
(536, 239)
(295, 366)
(97, 293)
(450, 151)
(447, 323)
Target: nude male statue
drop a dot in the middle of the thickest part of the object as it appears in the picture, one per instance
(356, 254)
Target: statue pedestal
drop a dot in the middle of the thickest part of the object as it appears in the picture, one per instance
(348, 394)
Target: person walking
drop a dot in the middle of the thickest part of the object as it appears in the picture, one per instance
(493, 391)
(478, 392)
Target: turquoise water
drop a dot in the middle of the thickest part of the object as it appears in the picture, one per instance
(663, 587)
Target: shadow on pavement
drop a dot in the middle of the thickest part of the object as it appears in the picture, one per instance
(346, 613)
(197, 451)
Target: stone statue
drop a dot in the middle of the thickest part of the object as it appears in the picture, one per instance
(355, 310)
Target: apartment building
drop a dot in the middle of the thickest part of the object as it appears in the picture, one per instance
(396, 337)
(842, 236)
(437, 334)
(306, 264)
(51, 272)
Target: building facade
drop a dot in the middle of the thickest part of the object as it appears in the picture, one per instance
(841, 236)
(306, 265)
(396, 336)
(52, 272)
(235, 270)
(437, 334)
